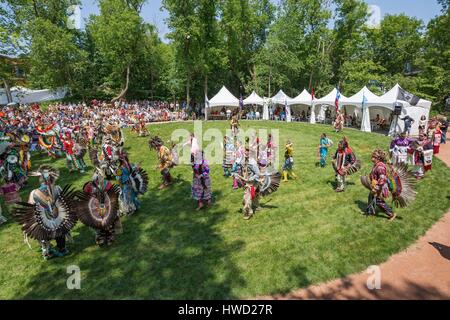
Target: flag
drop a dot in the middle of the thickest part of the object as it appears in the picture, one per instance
(364, 101)
(312, 94)
(336, 102)
(407, 96)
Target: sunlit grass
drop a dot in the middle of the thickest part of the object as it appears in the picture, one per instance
(305, 234)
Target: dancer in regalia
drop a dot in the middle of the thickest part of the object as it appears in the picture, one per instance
(228, 155)
(234, 125)
(256, 185)
(49, 213)
(344, 164)
(73, 156)
(201, 181)
(271, 151)
(165, 159)
(422, 155)
(436, 138)
(288, 165)
(97, 206)
(339, 122)
(384, 180)
(239, 159)
(400, 148)
(324, 144)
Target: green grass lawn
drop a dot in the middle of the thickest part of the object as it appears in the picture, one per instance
(305, 234)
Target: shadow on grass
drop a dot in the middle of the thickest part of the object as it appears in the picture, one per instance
(168, 251)
(379, 213)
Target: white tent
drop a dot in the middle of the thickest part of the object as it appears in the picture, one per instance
(223, 98)
(304, 99)
(328, 100)
(386, 104)
(254, 98)
(362, 110)
(283, 99)
(24, 95)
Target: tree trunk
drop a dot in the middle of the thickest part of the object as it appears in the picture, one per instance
(124, 90)
(206, 85)
(188, 87)
(7, 91)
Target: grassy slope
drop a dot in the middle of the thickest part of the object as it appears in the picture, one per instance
(306, 234)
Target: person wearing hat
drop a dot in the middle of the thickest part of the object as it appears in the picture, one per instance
(422, 153)
(380, 187)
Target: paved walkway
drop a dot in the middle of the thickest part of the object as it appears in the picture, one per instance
(420, 272)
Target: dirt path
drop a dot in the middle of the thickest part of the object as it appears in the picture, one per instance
(420, 272)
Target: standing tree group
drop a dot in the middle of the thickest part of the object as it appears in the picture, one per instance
(245, 44)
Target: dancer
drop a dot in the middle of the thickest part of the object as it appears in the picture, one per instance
(271, 151)
(324, 144)
(201, 182)
(385, 179)
(339, 122)
(422, 155)
(399, 149)
(422, 124)
(228, 155)
(436, 138)
(165, 159)
(234, 125)
(256, 185)
(288, 165)
(49, 214)
(74, 156)
(98, 207)
(344, 163)
(237, 169)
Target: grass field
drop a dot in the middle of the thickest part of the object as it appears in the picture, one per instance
(305, 234)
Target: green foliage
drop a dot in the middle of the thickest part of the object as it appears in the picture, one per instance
(243, 44)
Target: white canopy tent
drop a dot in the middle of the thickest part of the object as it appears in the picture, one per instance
(361, 110)
(24, 95)
(304, 99)
(385, 105)
(283, 99)
(255, 99)
(224, 98)
(324, 102)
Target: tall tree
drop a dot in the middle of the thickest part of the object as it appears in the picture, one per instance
(118, 37)
(350, 19)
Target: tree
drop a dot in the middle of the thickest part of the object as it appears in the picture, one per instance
(297, 51)
(117, 34)
(350, 19)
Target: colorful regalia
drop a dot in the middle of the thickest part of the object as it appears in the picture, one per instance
(97, 206)
(234, 126)
(165, 158)
(436, 139)
(49, 140)
(324, 144)
(11, 170)
(339, 122)
(48, 214)
(288, 165)
(344, 164)
(422, 155)
(237, 169)
(386, 179)
(271, 151)
(256, 185)
(133, 181)
(201, 182)
(228, 156)
(74, 153)
(400, 148)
